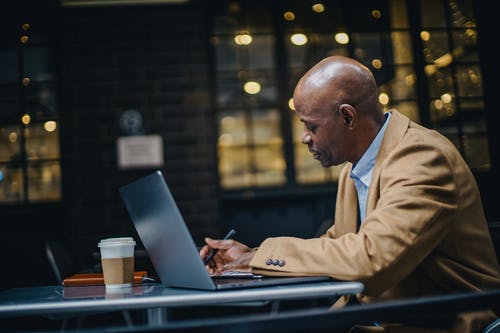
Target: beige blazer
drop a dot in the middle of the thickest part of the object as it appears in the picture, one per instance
(425, 232)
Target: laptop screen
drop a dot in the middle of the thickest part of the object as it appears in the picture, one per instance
(169, 243)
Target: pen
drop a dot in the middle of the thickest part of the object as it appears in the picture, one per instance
(211, 255)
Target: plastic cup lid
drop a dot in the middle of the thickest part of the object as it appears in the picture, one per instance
(116, 241)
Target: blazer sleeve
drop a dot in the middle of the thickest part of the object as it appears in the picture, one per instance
(416, 203)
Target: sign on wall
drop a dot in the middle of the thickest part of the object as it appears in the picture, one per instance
(139, 151)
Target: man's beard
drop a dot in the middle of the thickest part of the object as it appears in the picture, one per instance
(323, 157)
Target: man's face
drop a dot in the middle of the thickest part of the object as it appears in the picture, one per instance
(323, 133)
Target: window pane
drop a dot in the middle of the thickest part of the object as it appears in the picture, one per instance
(297, 54)
(9, 94)
(366, 15)
(475, 124)
(270, 165)
(232, 128)
(44, 182)
(318, 46)
(234, 167)
(330, 19)
(240, 16)
(398, 14)
(375, 51)
(42, 141)
(41, 101)
(260, 145)
(11, 188)
(268, 94)
(432, 13)
(409, 109)
(451, 132)
(8, 70)
(441, 83)
(469, 105)
(435, 47)
(401, 47)
(266, 126)
(465, 45)
(10, 143)
(367, 46)
(227, 53)
(477, 152)
(234, 161)
(38, 63)
(404, 84)
(469, 80)
(231, 89)
(261, 52)
(462, 13)
(441, 110)
(229, 92)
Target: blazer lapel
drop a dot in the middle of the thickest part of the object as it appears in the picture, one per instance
(346, 215)
(396, 129)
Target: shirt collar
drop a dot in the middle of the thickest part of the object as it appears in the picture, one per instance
(364, 168)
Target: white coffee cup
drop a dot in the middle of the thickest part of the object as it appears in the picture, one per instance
(117, 259)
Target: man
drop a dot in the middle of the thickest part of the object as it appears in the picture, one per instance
(408, 221)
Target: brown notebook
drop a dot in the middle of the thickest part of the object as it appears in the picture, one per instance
(95, 279)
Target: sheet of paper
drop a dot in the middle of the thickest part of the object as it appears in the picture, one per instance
(237, 274)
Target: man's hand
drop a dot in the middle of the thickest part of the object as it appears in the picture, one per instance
(231, 255)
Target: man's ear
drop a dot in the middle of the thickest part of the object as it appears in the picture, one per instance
(348, 114)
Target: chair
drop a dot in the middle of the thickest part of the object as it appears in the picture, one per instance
(494, 327)
(62, 266)
(59, 260)
(494, 227)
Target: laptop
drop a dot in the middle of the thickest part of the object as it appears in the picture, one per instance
(169, 244)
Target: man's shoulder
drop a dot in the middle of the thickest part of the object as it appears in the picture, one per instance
(418, 134)
(415, 133)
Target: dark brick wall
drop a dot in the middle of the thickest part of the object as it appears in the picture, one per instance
(152, 59)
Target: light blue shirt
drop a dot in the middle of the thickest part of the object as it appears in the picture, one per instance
(362, 171)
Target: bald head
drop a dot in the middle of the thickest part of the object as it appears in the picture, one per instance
(339, 79)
